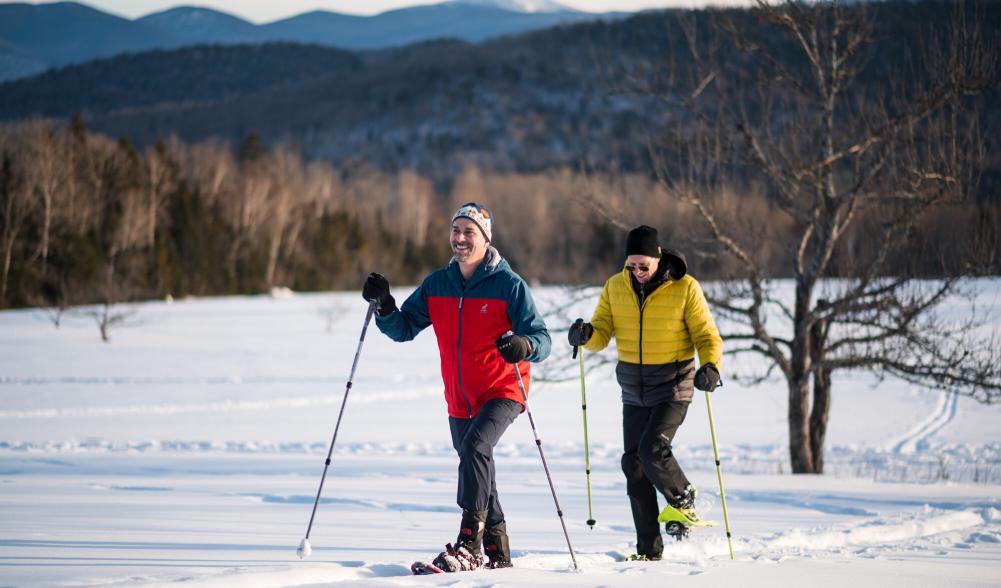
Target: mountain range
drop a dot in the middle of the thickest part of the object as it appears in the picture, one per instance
(542, 100)
(538, 100)
(35, 38)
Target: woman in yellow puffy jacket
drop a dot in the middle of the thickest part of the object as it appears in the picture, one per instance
(660, 319)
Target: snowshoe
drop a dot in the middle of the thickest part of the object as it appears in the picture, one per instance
(644, 557)
(677, 530)
(689, 518)
(679, 523)
(457, 559)
(680, 516)
(420, 568)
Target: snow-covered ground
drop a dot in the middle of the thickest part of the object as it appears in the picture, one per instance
(188, 452)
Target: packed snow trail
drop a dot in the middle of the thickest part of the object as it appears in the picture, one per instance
(917, 439)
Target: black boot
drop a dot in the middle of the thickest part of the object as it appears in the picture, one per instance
(651, 549)
(685, 504)
(496, 546)
(471, 530)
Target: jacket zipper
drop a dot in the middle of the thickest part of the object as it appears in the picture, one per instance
(458, 362)
(642, 300)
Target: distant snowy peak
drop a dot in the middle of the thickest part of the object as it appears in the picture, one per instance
(193, 24)
(191, 15)
(528, 6)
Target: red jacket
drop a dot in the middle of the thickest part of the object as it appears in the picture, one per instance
(468, 318)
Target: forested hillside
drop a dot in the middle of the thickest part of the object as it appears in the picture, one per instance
(532, 102)
(217, 170)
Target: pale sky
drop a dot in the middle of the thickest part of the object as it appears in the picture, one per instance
(259, 11)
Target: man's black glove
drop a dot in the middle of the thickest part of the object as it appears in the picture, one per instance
(707, 377)
(580, 333)
(513, 348)
(377, 288)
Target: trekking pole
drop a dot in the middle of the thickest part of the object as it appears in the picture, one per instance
(587, 455)
(305, 548)
(719, 473)
(538, 443)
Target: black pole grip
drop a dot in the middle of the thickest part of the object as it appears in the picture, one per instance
(576, 322)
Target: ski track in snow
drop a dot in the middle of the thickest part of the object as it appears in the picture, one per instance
(164, 380)
(917, 439)
(880, 531)
(926, 528)
(219, 406)
(962, 462)
(374, 504)
(819, 504)
(874, 538)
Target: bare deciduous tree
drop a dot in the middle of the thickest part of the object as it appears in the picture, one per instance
(247, 213)
(47, 176)
(161, 179)
(110, 314)
(282, 199)
(15, 206)
(838, 154)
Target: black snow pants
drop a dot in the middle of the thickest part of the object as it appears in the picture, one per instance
(474, 440)
(650, 466)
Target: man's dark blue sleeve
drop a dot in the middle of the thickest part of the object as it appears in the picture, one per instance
(527, 322)
(409, 320)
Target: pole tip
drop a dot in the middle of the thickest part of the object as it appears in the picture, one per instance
(591, 523)
(304, 549)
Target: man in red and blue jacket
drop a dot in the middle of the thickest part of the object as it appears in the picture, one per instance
(487, 326)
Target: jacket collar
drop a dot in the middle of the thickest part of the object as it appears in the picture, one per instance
(672, 266)
(492, 261)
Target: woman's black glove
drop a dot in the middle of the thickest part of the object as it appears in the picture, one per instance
(376, 288)
(513, 348)
(579, 333)
(707, 378)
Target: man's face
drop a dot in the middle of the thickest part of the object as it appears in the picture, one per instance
(468, 243)
(643, 267)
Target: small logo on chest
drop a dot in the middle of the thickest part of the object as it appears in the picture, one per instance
(485, 308)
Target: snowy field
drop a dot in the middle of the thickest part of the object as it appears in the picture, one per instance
(187, 452)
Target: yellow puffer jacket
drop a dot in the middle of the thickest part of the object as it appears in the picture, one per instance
(675, 323)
